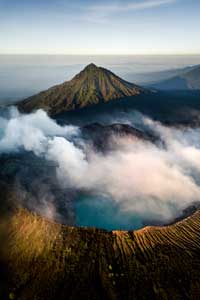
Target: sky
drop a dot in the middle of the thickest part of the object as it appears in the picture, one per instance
(99, 27)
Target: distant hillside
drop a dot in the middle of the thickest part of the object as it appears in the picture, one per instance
(46, 260)
(188, 80)
(149, 78)
(91, 86)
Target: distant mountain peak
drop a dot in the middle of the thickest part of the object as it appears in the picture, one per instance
(93, 85)
(91, 67)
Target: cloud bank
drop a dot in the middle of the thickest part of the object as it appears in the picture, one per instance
(143, 178)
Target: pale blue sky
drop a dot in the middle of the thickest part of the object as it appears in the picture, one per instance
(100, 27)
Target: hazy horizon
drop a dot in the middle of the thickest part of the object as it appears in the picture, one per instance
(23, 75)
(98, 54)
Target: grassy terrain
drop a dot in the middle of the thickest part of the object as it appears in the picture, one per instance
(46, 260)
(91, 86)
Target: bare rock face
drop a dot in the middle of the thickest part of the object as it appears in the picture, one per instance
(103, 137)
(91, 86)
(46, 260)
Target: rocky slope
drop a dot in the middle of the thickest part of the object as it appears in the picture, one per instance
(188, 80)
(46, 260)
(103, 137)
(91, 86)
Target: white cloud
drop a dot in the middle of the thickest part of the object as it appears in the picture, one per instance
(30, 132)
(144, 179)
(100, 13)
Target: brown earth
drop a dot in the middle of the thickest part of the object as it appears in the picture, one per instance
(47, 260)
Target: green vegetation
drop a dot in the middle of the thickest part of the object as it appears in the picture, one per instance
(92, 86)
(51, 261)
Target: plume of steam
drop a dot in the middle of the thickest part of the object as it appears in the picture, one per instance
(30, 132)
(152, 181)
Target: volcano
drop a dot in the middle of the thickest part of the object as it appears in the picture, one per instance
(47, 260)
(93, 85)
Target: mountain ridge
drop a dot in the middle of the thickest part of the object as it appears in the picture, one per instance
(50, 260)
(188, 80)
(93, 85)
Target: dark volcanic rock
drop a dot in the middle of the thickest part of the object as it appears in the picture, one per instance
(31, 182)
(101, 135)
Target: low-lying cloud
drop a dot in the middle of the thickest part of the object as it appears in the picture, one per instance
(155, 182)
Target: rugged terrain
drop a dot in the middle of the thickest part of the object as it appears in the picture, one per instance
(42, 259)
(46, 260)
(102, 136)
(91, 86)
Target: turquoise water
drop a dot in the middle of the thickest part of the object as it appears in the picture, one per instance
(96, 211)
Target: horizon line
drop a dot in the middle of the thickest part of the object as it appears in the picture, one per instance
(106, 54)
